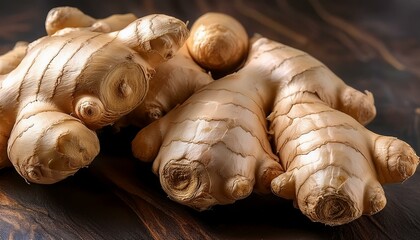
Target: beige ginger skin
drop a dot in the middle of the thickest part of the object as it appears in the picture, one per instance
(71, 83)
(60, 18)
(215, 147)
(218, 42)
(174, 80)
(11, 59)
(178, 78)
(223, 49)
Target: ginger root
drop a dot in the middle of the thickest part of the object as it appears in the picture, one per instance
(334, 167)
(223, 50)
(174, 81)
(215, 147)
(218, 42)
(85, 80)
(188, 179)
(11, 59)
(60, 18)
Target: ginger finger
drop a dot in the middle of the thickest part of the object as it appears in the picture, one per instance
(218, 43)
(328, 170)
(178, 78)
(78, 80)
(60, 18)
(395, 160)
(189, 166)
(11, 59)
(183, 75)
(214, 169)
(63, 144)
(375, 199)
(64, 17)
(113, 22)
(156, 38)
(174, 81)
(299, 69)
(330, 159)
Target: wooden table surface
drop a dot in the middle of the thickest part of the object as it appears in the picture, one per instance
(373, 45)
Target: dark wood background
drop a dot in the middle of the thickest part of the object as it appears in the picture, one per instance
(373, 45)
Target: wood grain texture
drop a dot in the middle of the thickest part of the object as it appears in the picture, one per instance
(371, 45)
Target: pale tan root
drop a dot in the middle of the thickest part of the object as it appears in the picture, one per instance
(195, 148)
(216, 129)
(204, 170)
(299, 72)
(333, 167)
(47, 146)
(181, 76)
(214, 149)
(218, 42)
(64, 17)
(174, 81)
(123, 88)
(333, 91)
(358, 105)
(148, 141)
(68, 83)
(202, 156)
(113, 22)
(395, 160)
(331, 194)
(60, 18)
(190, 167)
(11, 59)
(156, 38)
(336, 201)
(267, 170)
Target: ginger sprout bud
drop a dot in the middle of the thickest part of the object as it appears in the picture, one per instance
(89, 109)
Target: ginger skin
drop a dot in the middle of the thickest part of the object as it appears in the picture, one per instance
(60, 18)
(11, 59)
(218, 43)
(179, 178)
(174, 81)
(177, 79)
(86, 80)
(214, 148)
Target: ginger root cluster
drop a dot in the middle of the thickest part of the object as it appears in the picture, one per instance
(277, 121)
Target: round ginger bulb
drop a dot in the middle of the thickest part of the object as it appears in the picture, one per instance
(218, 42)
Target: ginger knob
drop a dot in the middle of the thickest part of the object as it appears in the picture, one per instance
(218, 42)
